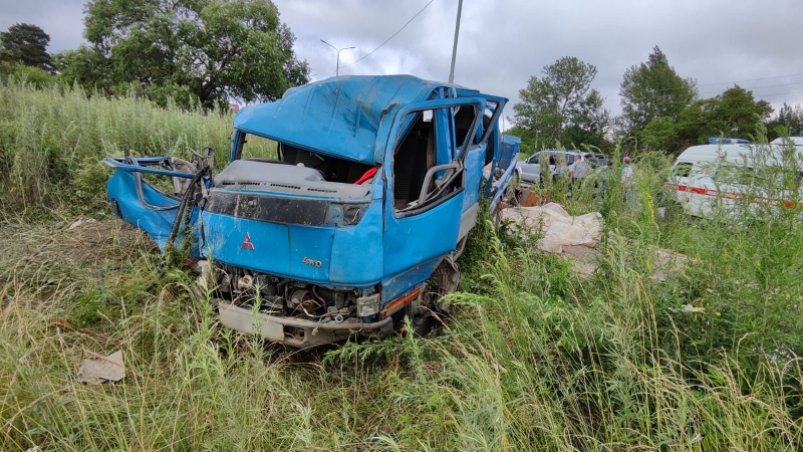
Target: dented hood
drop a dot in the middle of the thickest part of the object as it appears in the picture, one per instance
(338, 116)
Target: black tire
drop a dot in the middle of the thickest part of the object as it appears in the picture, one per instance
(422, 323)
(428, 315)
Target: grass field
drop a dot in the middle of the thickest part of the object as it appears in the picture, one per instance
(534, 357)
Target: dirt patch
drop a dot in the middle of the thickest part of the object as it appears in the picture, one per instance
(80, 243)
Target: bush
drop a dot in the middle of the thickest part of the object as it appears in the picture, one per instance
(27, 75)
(46, 135)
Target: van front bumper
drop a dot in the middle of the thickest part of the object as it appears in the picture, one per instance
(296, 332)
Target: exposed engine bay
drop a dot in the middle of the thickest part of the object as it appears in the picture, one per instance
(286, 297)
(307, 314)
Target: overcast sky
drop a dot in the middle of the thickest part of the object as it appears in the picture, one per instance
(757, 44)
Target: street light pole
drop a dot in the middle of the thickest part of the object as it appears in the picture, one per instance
(337, 65)
(456, 35)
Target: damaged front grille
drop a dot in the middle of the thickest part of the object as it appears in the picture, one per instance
(309, 212)
(274, 209)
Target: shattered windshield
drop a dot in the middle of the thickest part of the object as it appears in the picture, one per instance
(266, 164)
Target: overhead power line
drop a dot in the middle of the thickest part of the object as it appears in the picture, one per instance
(393, 35)
(751, 79)
(760, 90)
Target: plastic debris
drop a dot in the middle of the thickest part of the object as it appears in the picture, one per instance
(576, 238)
(79, 222)
(558, 227)
(99, 369)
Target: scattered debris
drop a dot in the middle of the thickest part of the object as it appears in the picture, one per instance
(576, 238)
(529, 198)
(558, 227)
(99, 369)
(79, 222)
(692, 309)
(666, 262)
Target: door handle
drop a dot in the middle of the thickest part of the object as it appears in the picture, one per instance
(422, 196)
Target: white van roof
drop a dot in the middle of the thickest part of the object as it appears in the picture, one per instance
(734, 153)
(712, 152)
(798, 141)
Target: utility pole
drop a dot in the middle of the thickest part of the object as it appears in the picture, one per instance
(456, 35)
(337, 65)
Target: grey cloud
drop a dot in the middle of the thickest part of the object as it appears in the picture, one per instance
(63, 20)
(503, 43)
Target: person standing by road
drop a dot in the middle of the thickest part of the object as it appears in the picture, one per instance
(577, 172)
(627, 172)
(580, 169)
(628, 176)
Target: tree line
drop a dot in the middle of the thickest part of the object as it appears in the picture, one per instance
(660, 110)
(195, 52)
(206, 53)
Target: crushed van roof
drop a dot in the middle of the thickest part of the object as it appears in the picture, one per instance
(339, 116)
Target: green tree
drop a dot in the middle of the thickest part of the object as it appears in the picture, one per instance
(659, 134)
(527, 145)
(788, 121)
(25, 44)
(736, 113)
(562, 106)
(85, 66)
(653, 90)
(216, 49)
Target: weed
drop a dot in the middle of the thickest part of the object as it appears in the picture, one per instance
(532, 356)
(88, 308)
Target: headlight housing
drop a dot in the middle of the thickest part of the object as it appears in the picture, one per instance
(345, 214)
(368, 305)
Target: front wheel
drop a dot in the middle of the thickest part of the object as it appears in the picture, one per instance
(427, 312)
(422, 322)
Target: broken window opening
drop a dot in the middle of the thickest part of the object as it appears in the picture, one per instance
(463, 120)
(332, 169)
(257, 148)
(419, 179)
(292, 170)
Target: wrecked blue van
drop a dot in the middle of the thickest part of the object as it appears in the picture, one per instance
(354, 221)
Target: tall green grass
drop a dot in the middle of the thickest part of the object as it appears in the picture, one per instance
(49, 136)
(533, 357)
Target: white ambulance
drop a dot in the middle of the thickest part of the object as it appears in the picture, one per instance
(728, 175)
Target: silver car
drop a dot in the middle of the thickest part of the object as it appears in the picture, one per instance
(558, 162)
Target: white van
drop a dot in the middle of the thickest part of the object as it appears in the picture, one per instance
(712, 177)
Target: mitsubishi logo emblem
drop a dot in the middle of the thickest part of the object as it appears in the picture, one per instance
(247, 242)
